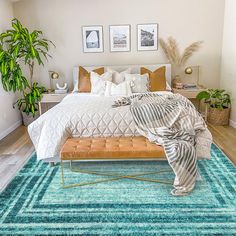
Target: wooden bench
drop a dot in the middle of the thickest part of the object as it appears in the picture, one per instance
(111, 148)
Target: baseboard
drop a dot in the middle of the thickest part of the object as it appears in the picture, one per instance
(10, 129)
(232, 123)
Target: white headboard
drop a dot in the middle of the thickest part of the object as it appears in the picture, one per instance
(135, 70)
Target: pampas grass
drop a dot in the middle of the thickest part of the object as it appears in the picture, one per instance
(172, 51)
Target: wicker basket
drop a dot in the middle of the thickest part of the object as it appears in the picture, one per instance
(218, 117)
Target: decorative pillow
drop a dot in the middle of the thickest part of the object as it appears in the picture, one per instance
(157, 78)
(139, 83)
(84, 84)
(118, 77)
(98, 82)
(122, 89)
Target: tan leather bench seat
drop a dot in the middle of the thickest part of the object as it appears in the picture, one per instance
(110, 148)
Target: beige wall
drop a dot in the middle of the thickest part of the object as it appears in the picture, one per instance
(228, 72)
(186, 20)
(9, 117)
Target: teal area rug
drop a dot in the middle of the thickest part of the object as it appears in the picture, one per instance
(34, 202)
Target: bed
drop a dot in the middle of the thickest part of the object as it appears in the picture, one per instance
(84, 115)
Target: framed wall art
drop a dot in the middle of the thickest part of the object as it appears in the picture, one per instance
(147, 37)
(92, 38)
(119, 38)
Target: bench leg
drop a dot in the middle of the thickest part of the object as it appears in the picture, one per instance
(113, 176)
(62, 174)
(52, 164)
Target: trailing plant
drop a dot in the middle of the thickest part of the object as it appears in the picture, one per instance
(172, 51)
(216, 98)
(18, 45)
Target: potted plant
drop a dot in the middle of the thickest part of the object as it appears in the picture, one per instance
(218, 102)
(28, 105)
(18, 47)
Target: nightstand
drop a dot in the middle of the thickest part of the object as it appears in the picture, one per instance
(188, 93)
(49, 100)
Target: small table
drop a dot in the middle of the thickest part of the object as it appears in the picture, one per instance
(188, 93)
(49, 100)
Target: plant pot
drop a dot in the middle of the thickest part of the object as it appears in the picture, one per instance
(218, 117)
(28, 119)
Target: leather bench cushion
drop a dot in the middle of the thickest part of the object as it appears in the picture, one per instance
(110, 148)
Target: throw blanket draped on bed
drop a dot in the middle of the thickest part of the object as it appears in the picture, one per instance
(173, 122)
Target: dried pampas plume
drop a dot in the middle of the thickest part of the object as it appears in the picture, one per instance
(172, 52)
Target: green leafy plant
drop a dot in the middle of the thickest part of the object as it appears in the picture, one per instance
(216, 98)
(18, 45)
(31, 99)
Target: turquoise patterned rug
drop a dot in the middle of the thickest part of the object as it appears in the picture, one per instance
(34, 202)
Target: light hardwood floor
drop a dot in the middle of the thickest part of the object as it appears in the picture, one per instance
(16, 149)
(225, 138)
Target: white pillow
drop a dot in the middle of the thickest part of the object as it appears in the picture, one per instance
(98, 82)
(139, 83)
(122, 89)
(118, 77)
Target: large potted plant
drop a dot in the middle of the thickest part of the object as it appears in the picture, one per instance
(19, 47)
(218, 102)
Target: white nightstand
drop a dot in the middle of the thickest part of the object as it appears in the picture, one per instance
(49, 100)
(188, 93)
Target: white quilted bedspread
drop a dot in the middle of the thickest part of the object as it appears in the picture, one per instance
(86, 115)
(79, 115)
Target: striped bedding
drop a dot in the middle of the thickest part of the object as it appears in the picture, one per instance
(172, 121)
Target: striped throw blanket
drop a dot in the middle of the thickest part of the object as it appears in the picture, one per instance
(172, 121)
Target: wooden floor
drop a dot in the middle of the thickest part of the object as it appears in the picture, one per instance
(16, 149)
(225, 138)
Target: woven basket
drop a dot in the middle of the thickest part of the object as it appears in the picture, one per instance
(217, 116)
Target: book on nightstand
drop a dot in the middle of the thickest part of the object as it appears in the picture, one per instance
(190, 86)
(61, 91)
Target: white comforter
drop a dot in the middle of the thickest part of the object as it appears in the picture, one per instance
(86, 115)
(79, 115)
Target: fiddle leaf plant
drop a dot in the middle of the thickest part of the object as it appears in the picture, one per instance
(20, 46)
(216, 98)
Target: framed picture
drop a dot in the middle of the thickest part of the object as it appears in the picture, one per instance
(120, 38)
(147, 37)
(92, 38)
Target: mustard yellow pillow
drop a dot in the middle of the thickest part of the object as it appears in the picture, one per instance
(157, 78)
(84, 85)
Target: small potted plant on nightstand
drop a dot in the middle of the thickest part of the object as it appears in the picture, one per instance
(218, 102)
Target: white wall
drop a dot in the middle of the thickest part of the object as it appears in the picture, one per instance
(228, 70)
(186, 20)
(9, 118)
